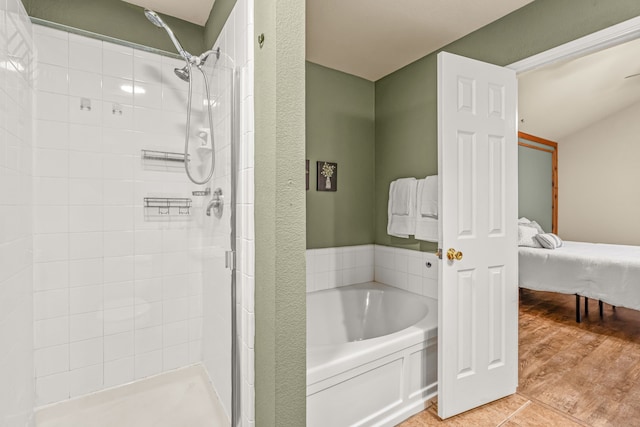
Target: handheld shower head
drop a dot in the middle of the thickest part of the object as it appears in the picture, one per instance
(155, 19)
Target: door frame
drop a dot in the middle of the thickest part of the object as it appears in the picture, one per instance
(554, 170)
(602, 39)
(607, 37)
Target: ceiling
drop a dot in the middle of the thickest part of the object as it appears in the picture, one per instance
(196, 11)
(371, 38)
(561, 99)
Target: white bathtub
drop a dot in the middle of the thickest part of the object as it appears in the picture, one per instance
(371, 355)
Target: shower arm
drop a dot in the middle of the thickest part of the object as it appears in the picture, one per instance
(199, 61)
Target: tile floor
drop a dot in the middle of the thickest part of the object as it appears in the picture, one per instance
(512, 411)
(183, 397)
(570, 374)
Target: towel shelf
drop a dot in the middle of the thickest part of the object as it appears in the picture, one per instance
(163, 156)
(167, 205)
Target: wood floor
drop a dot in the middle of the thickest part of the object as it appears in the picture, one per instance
(571, 374)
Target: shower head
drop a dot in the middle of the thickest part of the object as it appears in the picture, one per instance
(155, 19)
(183, 73)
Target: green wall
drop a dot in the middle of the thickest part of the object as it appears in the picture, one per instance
(124, 21)
(406, 104)
(535, 186)
(340, 128)
(280, 291)
(117, 19)
(217, 18)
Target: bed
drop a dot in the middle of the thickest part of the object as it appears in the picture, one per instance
(604, 272)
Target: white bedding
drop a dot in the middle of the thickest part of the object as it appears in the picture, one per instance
(610, 273)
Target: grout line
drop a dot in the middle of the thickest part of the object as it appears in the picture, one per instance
(556, 410)
(517, 411)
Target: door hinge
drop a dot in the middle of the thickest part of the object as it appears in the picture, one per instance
(439, 253)
(230, 260)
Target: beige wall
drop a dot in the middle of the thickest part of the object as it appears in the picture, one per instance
(598, 176)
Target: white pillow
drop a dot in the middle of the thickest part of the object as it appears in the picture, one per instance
(527, 236)
(549, 240)
(527, 221)
(536, 226)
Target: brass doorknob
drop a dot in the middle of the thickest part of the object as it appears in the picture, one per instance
(453, 254)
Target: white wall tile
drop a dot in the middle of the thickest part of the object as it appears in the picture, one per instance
(118, 346)
(117, 61)
(52, 388)
(118, 294)
(119, 269)
(85, 54)
(53, 219)
(118, 320)
(85, 191)
(148, 364)
(85, 299)
(147, 68)
(52, 78)
(118, 218)
(51, 134)
(51, 191)
(51, 275)
(85, 84)
(175, 333)
(51, 163)
(118, 90)
(118, 372)
(85, 380)
(83, 219)
(50, 304)
(85, 165)
(148, 314)
(50, 247)
(86, 353)
(148, 95)
(149, 290)
(52, 106)
(176, 356)
(85, 326)
(52, 50)
(51, 360)
(85, 245)
(51, 332)
(175, 310)
(148, 339)
(84, 138)
(85, 272)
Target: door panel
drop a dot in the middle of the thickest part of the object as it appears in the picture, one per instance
(477, 163)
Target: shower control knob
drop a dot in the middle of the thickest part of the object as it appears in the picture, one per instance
(216, 204)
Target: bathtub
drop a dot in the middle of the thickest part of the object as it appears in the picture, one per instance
(371, 355)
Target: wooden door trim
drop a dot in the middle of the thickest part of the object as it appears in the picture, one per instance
(554, 170)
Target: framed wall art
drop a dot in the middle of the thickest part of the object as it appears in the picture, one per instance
(327, 176)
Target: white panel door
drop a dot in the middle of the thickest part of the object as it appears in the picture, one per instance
(478, 288)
